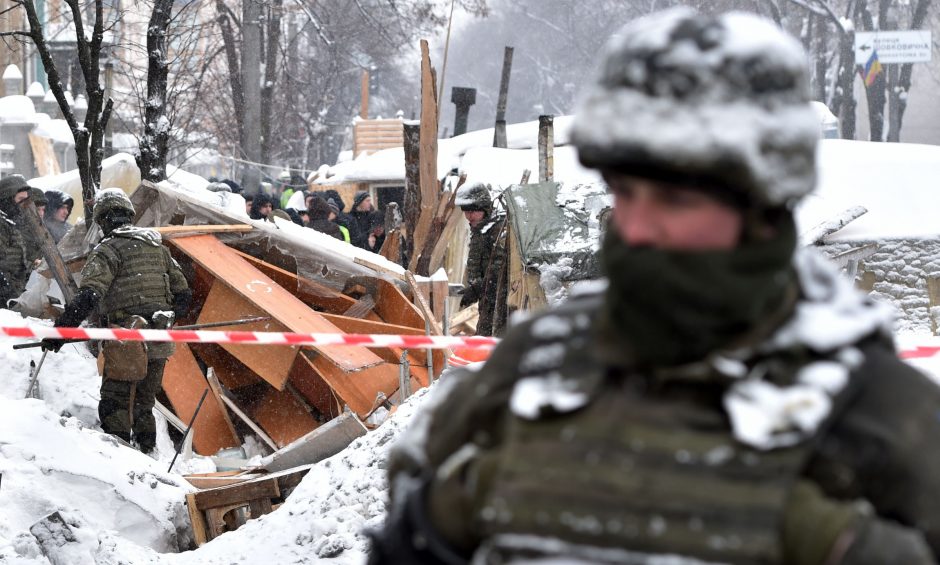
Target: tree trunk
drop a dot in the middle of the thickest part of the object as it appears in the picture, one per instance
(904, 80)
(89, 137)
(251, 83)
(153, 147)
(844, 100)
(273, 37)
(225, 19)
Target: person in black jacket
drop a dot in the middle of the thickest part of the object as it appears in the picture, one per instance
(58, 209)
(319, 211)
(361, 223)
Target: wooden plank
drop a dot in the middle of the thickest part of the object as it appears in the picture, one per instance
(282, 417)
(314, 294)
(440, 290)
(210, 228)
(354, 373)
(307, 381)
(44, 155)
(358, 326)
(198, 520)
(229, 370)
(235, 494)
(270, 362)
(50, 251)
(248, 421)
(216, 392)
(422, 303)
(219, 478)
(382, 269)
(427, 156)
(184, 383)
(361, 308)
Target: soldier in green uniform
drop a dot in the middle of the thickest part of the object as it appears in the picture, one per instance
(728, 397)
(485, 259)
(128, 276)
(31, 243)
(14, 267)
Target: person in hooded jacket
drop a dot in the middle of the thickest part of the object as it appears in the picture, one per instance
(320, 221)
(31, 241)
(360, 224)
(130, 279)
(262, 206)
(342, 218)
(728, 397)
(58, 209)
(14, 266)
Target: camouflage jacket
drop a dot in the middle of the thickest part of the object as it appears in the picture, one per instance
(486, 264)
(556, 447)
(13, 264)
(135, 275)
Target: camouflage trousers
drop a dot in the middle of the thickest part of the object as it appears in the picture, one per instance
(128, 406)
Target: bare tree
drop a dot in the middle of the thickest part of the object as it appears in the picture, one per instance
(89, 136)
(154, 145)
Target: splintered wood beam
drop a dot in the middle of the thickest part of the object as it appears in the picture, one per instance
(354, 373)
(311, 292)
(183, 383)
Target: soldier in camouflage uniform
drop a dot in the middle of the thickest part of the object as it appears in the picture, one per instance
(14, 267)
(129, 273)
(486, 260)
(31, 243)
(728, 398)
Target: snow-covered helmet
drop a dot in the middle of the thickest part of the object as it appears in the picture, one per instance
(719, 101)
(12, 184)
(474, 196)
(110, 201)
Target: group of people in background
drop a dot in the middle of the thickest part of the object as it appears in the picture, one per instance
(20, 248)
(363, 226)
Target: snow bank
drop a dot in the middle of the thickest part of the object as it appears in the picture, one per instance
(52, 458)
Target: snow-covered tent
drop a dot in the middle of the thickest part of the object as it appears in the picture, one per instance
(896, 183)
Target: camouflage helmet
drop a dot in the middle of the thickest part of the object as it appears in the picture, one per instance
(12, 184)
(474, 196)
(111, 200)
(718, 101)
(38, 197)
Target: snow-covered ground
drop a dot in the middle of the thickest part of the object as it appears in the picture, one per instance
(124, 507)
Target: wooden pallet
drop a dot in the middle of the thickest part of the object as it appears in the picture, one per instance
(218, 510)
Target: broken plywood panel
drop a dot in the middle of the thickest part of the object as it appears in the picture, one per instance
(354, 373)
(282, 416)
(183, 383)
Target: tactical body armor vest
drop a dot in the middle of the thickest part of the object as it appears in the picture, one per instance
(12, 257)
(643, 462)
(141, 282)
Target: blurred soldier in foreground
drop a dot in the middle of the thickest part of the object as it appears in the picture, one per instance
(133, 281)
(485, 258)
(728, 398)
(14, 267)
(31, 242)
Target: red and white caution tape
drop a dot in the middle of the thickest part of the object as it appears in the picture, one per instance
(243, 337)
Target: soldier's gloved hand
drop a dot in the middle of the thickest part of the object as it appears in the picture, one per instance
(408, 535)
(52, 344)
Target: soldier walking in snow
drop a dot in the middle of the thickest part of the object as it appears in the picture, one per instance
(14, 267)
(133, 281)
(728, 398)
(485, 258)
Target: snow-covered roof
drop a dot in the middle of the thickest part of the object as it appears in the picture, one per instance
(389, 164)
(35, 90)
(896, 182)
(57, 130)
(12, 72)
(16, 109)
